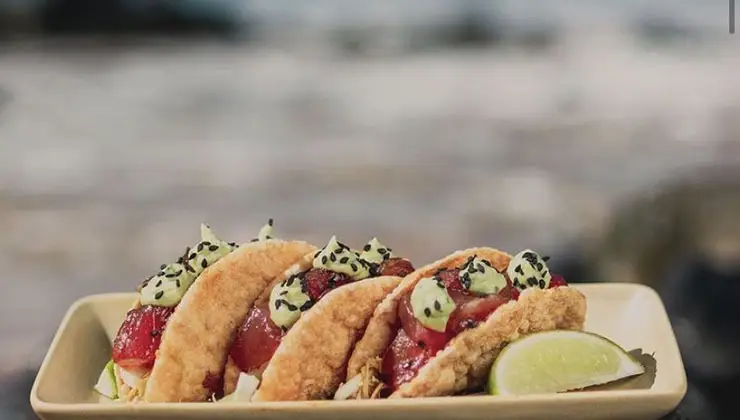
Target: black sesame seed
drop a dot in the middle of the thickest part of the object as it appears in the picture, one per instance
(532, 281)
(180, 260)
(206, 243)
(366, 247)
(539, 266)
(324, 259)
(290, 281)
(343, 245)
(290, 306)
(200, 247)
(518, 269)
(159, 283)
(254, 240)
(283, 293)
(480, 267)
(163, 266)
(213, 248)
(440, 285)
(278, 303)
(465, 280)
(427, 312)
(159, 295)
(437, 306)
(469, 323)
(382, 251)
(486, 262)
(354, 266)
(270, 221)
(192, 256)
(542, 284)
(306, 306)
(472, 270)
(316, 254)
(204, 263)
(516, 282)
(177, 283)
(344, 260)
(546, 258)
(332, 257)
(161, 273)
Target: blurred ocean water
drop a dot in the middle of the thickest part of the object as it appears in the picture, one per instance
(110, 157)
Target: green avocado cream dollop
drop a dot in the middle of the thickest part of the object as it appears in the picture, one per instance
(206, 252)
(528, 270)
(340, 258)
(479, 276)
(168, 286)
(431, 304)
(265, 233)
(287, 301)
(375, 252)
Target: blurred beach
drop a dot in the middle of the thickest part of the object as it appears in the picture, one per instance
(358, 124)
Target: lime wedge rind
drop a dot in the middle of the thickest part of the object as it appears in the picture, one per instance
(560, 361)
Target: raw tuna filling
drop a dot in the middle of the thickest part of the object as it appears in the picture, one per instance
(138, 339)
(414, 344)
(259, 337)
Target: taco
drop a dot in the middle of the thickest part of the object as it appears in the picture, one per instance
(295, 340)
(173, 343)
(439, 331)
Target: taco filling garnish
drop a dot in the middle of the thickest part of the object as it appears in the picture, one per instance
(333, 266)
(452, 300)
(139, 336)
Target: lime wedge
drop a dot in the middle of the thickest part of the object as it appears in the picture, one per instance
(559, 361)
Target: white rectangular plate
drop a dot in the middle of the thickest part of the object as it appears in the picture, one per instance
(631, 315)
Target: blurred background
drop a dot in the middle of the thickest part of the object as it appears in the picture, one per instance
(604, 133)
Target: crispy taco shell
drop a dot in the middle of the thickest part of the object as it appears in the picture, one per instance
(464, 363)
(198, 334)
(310, 361)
